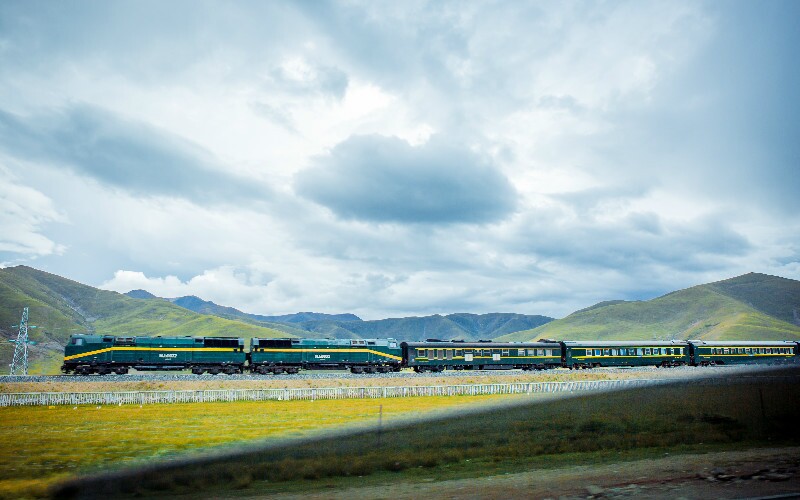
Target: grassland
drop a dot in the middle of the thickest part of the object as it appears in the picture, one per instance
(46, 444)
(517, 436)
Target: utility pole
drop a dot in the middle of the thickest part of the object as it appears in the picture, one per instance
(19, 366)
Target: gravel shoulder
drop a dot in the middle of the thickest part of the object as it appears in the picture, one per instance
(751, 473)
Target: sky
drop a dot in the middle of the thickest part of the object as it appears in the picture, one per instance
(391, 159)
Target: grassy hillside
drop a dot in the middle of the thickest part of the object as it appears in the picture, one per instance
(754, 306)
(60, 307)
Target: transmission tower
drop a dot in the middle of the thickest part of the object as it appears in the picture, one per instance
(19, 366)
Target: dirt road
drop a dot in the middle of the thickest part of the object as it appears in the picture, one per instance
(737, 474)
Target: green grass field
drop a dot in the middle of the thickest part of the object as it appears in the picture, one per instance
(519, 436)
(47, 444)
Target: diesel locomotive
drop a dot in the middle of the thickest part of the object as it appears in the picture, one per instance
(105, 354)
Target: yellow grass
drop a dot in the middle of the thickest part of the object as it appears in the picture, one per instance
(46, 444)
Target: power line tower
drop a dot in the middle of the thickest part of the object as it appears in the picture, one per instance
(19, 366)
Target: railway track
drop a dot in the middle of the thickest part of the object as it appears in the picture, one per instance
(686, 371)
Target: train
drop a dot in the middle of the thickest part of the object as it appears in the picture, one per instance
(87, 354)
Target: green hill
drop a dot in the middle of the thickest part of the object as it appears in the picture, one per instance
(753, 306)
(60, 307)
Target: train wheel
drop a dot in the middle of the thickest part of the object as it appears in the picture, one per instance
(356, 369)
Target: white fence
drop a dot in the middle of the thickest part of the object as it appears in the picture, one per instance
(206, 396)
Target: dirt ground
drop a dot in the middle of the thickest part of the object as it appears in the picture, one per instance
(757, 473)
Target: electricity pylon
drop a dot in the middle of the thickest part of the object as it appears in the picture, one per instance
(20, 362)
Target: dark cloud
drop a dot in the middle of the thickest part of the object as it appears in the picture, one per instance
(122, 153)
(385, 179)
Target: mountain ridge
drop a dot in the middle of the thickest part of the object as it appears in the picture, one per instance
(751, 306)
(457, 325)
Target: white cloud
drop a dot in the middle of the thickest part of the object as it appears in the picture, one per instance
(24, 215)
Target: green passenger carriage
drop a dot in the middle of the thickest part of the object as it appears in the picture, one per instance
(358, 355)
(591, 354)
(743, 352)
(435, 356)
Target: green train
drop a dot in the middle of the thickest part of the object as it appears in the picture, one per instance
(105, 354)
(291, 355)
(438, 355)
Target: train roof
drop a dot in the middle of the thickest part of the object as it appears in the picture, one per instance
(624, 343)
(745, 343)
(457, 344)
(327, 342)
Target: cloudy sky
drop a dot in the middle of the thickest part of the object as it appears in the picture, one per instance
(400, 158)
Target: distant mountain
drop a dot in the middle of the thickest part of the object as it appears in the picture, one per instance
(753, 306)
(343, 326)
(288, 323)
(197, 304)
(140, 294)
(453, 326)
(60, 307)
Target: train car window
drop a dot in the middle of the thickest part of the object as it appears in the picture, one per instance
(646, 351)
(505, 352)
(78, 341)
(393, 345)
(548, 352)
(218, 342)
(370, 343)
(615, 352)
(606, 352)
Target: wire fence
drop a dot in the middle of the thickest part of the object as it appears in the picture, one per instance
(221, 395)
